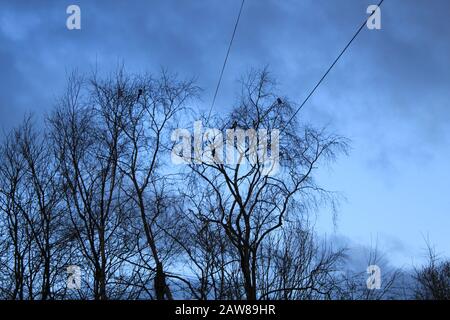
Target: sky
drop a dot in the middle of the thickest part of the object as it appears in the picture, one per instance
(389, 94)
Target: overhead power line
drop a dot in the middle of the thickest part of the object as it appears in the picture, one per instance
(226, 58)
(331, 67)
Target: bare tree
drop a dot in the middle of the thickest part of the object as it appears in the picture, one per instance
(110, 136)
(246, 202)
(15, 241)
(150, 107)
(44, 217)
(210, 264)
(352, 280)
(433, 279)
(31, 201)
(88, 148)
(294, 265)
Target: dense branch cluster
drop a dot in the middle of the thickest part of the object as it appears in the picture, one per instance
(94, 187)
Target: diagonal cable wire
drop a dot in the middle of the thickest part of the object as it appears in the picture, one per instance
(331, 67)
(226, 58)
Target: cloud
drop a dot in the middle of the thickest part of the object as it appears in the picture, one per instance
(389, 93)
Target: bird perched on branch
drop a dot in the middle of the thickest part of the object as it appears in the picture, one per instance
(279, 101)
(234, 126)
(139, 94)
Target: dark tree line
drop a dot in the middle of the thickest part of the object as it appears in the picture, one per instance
(94, 187)
(433, 279)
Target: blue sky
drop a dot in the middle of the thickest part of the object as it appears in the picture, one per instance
(389, 93)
